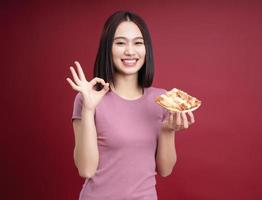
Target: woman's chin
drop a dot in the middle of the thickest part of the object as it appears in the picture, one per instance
(127, 69)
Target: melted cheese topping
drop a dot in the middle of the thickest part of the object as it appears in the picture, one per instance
(177, 100)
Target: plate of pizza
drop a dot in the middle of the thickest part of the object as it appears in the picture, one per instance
(178, 101)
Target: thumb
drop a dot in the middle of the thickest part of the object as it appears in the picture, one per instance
(165, 117)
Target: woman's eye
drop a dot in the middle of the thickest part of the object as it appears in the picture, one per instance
(123, 43)
(139, 43)
(120, 43)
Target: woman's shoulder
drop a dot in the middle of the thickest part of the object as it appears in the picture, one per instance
(156, 90)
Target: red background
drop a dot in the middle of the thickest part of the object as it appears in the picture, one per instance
(211, 49)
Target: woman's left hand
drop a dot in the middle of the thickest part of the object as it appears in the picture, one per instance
(177, 121)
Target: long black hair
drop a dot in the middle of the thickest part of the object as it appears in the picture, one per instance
(104, 67)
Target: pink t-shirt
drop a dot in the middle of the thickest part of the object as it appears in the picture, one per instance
(127, 132)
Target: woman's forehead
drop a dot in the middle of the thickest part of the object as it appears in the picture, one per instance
(128, 29)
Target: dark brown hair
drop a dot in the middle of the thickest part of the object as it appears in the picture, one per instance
(104, 67)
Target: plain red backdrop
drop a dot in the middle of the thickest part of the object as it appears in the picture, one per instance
(211, 49)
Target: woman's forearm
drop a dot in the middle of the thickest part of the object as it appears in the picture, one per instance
(166, 153)
(86, 153)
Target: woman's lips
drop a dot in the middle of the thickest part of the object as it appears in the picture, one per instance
(129, 62)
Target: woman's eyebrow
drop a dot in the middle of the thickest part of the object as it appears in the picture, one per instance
(121, 37)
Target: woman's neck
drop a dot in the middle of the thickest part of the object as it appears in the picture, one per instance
(127, 87)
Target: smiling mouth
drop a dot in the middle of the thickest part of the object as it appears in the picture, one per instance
(129, 62)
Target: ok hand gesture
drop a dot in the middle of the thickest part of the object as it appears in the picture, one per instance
(91, 97)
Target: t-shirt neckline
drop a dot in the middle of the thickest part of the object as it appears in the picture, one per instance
(130, 100)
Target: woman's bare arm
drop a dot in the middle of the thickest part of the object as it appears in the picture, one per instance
(166, 156)
(166, 153)
(86, 155)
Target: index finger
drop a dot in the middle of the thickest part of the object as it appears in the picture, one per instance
(97, 80)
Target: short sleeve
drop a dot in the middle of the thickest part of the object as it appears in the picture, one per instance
(77, 107)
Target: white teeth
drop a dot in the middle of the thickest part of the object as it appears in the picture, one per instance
(129, 62)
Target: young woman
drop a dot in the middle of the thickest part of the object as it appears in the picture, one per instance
(122, 137)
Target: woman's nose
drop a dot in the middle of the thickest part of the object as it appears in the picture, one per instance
(129, 49)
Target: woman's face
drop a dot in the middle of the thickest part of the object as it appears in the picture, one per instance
(128, 48)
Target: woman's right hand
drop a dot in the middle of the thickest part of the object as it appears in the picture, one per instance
(91, 97)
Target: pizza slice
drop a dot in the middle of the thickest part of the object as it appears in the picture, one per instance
(178, 100)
